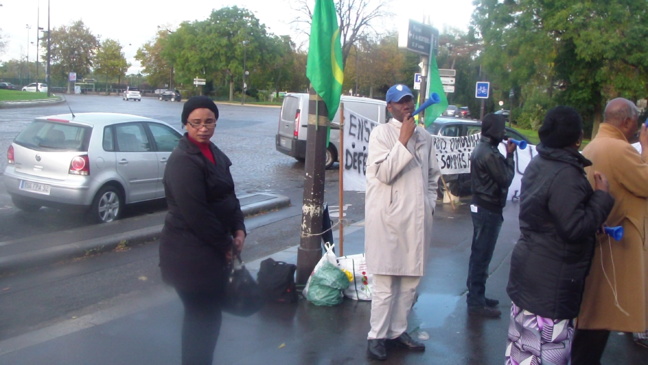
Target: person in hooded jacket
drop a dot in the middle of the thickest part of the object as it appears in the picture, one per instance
(560, 214)
(202, 230)
(491, 175)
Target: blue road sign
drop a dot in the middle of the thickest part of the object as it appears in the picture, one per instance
(482, 89)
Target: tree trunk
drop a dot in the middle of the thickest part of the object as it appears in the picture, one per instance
(231, 90)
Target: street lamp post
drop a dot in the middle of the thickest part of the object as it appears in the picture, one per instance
(28, 29)
(245, 73)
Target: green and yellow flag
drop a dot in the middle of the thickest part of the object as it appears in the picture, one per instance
(324, 66)
(435, 86)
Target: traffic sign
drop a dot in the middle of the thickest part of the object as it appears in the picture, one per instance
(447, 80)
(448, 72)
(418, 37)
(448, 88)
(417, 81)
(482, 89)
(199, 82)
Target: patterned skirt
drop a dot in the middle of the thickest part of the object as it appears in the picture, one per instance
(534, 340)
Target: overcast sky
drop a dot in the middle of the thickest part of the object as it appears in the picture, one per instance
(134, 22)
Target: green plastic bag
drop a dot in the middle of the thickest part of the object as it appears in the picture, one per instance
(326, 285)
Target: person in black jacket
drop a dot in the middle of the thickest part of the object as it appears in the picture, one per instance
(202, 228)
(491, 175)
(559, 216)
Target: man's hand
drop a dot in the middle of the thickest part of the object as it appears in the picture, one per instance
(601, 182)
(510, 147)
(643, 139)
(407, 129)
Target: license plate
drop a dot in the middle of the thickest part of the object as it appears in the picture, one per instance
(286, 143)
(34, 187)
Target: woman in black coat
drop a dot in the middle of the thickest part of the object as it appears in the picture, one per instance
(202, 228)
(559, 216)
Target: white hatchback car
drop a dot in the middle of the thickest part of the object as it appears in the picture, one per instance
(132, 93)
(94, 161)
(32, 87)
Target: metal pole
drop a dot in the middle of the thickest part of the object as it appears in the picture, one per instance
(49, 47)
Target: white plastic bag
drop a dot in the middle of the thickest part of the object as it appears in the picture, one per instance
(360, 287)
(328, 256)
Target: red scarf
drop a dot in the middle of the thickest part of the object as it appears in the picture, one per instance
(204, 148)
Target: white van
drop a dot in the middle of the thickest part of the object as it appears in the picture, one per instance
(293, 123)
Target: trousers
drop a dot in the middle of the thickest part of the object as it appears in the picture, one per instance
(391, 301)
(486, 228)
(200, 327)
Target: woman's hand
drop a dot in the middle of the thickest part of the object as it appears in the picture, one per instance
(237, 245)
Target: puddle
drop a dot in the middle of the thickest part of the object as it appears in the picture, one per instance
(432, 310)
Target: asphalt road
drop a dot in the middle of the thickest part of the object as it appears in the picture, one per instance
(73, 288)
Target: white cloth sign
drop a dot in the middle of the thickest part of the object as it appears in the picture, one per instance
(356, 143)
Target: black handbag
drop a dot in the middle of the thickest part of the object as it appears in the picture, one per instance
(243, 297)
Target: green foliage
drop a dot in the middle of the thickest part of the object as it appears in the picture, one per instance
(73, 49)
(563, 52)
(110, 61)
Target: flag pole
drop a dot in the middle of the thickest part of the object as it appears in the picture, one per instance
(341, 185)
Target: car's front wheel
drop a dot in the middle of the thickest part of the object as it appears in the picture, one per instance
(331, 156)
(107, 205)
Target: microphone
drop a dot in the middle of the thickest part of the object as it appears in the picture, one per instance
(615, 232)
(522, 144)
(434, 99)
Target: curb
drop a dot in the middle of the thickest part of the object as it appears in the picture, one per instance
(29, 103)
(49, 255)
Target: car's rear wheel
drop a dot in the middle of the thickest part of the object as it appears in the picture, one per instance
(24, 205)
(107, 205)
(331, 156)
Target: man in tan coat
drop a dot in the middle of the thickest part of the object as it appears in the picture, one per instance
(402, 175)
(616, 290)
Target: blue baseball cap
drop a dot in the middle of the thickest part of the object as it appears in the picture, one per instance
(397, 92)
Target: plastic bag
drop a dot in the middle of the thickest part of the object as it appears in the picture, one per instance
(326, 285)
(328, 256)
(243, 296)
(361, 282)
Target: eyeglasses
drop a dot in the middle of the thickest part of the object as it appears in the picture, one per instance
(209, 124)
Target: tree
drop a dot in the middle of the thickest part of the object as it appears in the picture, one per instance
(355, 19)
(110, 61)
(156, 65)
(217, 48)
(564, 52)
(73, 49)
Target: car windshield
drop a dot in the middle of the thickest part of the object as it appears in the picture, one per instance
(42, 136)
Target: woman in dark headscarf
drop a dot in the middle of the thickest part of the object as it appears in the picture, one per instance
(559, 216)
(203, 227)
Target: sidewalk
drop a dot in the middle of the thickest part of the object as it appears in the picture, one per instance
(49, 248)
(146, 330)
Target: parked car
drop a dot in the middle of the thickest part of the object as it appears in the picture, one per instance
(464, 112)
(132, 93)
(451, 111)
(459, 184)
(172, 95)
(32, 87)
(96, 162)
(504, 113)
(7, 86)
(293, 123)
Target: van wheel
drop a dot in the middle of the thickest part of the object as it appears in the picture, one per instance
(107, 205)
(331, 156)
(24, 205)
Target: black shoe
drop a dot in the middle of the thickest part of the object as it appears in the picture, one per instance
(491, 302)
(487, 312)
(376, 349)
(406, 341)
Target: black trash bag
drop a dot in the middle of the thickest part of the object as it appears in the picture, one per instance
(277, 281)
(243, 296)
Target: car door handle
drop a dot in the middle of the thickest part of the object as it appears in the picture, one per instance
(123, 161)
(163, 160)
